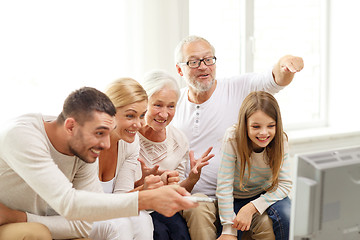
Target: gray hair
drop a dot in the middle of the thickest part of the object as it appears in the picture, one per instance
(156, 80)
(192, 38)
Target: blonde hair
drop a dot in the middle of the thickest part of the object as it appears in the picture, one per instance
(125, 91)
(266, 103)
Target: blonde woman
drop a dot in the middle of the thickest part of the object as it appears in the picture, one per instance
(118, 165)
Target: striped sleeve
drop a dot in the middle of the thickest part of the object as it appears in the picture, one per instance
(283, 189)
(224, 191)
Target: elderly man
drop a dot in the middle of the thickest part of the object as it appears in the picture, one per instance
(206, 108)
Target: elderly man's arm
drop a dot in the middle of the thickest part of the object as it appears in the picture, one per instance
(285, 69)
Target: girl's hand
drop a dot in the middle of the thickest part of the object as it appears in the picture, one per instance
(197, 164)
(227, 237)
(243, 219)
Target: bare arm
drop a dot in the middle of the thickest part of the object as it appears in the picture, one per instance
(284, 71)
(8, 215)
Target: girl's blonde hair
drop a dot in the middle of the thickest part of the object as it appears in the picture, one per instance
(266, 103)
(125, 91)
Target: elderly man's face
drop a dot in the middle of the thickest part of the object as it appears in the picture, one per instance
(202, 78)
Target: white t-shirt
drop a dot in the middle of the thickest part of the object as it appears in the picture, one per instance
(205, 124)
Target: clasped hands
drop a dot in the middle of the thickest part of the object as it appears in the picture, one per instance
(242, 220)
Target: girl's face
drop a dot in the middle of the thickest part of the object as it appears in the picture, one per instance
(261, 129)
(129, 120)
(161, 109)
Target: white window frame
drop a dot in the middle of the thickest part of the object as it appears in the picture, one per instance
(248, 50)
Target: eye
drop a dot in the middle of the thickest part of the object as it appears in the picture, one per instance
(142, 115)
(129, 116)
(172, 106)
(272, 126)
(256, 127)
(193, 62)
(99, 133)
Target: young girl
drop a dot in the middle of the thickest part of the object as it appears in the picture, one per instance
(254, 174)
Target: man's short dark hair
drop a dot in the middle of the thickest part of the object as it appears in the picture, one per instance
(82, 103)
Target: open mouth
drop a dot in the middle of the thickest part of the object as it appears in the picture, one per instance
(95, 151)
(263, 139)
(159, 121)
(131, 132)
(203, 76)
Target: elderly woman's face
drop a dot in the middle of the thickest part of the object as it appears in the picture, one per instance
(161, 109)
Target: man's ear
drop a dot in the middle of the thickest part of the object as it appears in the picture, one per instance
(178, 68)
(69, 125)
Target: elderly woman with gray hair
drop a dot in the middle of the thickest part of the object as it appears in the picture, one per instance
(165, 148)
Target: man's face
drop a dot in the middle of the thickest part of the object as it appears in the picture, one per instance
(202, 78)
(93, 136)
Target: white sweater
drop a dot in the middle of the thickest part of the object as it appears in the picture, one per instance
(37, 179)
(170, 154)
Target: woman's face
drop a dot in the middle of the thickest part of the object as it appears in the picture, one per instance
(261, 129)
(161, 109)
(129, 120)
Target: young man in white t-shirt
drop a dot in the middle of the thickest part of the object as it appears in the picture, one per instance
(46, 175)
(206, 108)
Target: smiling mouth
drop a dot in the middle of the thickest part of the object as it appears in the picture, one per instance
(159, 121)
(131, 132)
(95, 151)
(203, 75)
(263, 138)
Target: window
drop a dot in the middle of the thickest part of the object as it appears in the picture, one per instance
(48, 49)
(253, 35)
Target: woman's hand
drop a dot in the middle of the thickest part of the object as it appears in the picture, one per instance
(8, 215)
(152, 182)
(170, 177)
(197, 164)
(243, 218)
(146, 171)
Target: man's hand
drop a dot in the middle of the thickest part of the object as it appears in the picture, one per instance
(8, 215)
(243, 218)
(292, 64)
(285, 69)
(166, 200)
